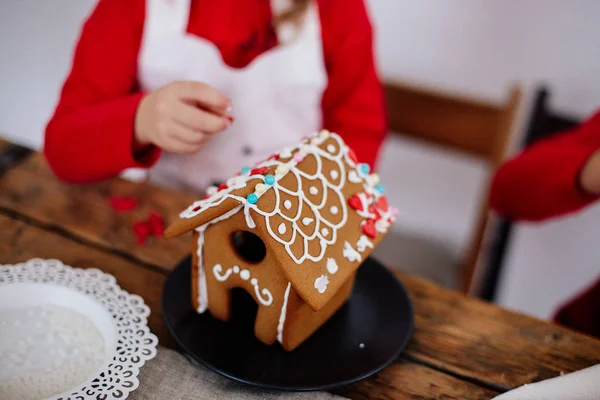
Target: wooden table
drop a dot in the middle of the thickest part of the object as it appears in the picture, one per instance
(462, 348)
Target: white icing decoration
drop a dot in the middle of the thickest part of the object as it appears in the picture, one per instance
(249, 220)
(281, 228)
(283, 314)
(217, 269)
(334, 210)
(285, 153)
(211, 190)
(269, 298)
(331, 148)
(321, 283)
(334, 174)
(332, 266)
(353, 177)
(363, 243)
(202, 293)
(351, 254)
(244, 274)
(316, 203)
(381, 226)
(313, 190)
(324, 231)
(287, 204)
(307, 220)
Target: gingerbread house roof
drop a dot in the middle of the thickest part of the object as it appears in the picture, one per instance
(314, 206)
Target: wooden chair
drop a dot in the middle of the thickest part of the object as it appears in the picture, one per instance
(543, 122)
(452, 122)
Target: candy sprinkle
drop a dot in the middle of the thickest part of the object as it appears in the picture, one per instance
(380, 189)
(260, 188)
(252, 198)
(364, 168)
(270, 179)
(245, 170)
(281, 170)
(298, 157)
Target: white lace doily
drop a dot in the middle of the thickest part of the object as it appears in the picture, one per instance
(128, 342)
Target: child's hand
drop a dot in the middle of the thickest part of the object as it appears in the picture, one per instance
(179, 116)
(589, 177)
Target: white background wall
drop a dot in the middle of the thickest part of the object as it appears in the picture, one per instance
(468, 46)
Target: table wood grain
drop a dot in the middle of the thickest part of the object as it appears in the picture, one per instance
(462, 348)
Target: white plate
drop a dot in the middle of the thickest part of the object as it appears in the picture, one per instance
(69, 333)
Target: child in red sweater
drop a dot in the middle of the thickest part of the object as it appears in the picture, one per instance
(551, 178)
(156, 84)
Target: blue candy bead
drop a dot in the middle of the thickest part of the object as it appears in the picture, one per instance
(269, 179)
(245, 170)
(252, 198)
(364, 168)
(380, 189)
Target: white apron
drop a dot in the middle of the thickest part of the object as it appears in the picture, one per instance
(276, 98)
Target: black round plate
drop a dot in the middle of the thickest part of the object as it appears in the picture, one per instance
(378, 315)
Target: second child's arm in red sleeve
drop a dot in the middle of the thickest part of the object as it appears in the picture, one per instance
(90, 137)
(353, 103)
(544, 180)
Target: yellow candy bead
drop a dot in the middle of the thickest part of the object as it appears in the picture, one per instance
(260, 188)
(373, 179)
(281, 170)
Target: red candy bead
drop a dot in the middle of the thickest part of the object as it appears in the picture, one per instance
(274, 157)
(259, 171)
(368, 228)
(197, 208)
(382, 203)
(355, 202)
(222, 186)
(352, 156)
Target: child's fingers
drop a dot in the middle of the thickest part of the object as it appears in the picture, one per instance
(176, 145)
(186, 135)
(199, 120)
(204, 95)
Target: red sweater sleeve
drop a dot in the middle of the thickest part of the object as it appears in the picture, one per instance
(542, 181)
(353, 102)
(90, 135)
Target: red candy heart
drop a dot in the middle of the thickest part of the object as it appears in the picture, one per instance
(382, 203)
(352, 156)
(122, 203)
(274, 157)
(258, 171)
(156, 223)
(374, 211)
(368, 228)
(142, 231)
(355, 202)
(222, 186)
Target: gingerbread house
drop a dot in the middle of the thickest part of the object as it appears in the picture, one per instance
(292, 231)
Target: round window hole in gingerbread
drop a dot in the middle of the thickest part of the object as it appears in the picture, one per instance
(248, 246)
